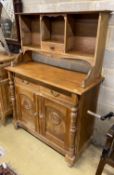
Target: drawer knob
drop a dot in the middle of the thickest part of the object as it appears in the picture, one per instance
(55, 94)
(25, 82)
(52, 48)
(35, 114)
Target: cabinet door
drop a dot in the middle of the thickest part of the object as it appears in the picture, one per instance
(55, 122)
(5, 102)
(27, 107)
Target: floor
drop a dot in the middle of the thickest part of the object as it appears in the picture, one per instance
(28, 156)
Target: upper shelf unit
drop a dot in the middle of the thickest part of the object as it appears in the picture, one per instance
(72, 36)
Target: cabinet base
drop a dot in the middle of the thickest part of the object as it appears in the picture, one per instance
(4, 116)
(70, 160)
(19, 124)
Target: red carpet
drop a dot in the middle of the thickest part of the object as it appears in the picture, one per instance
(5, 170)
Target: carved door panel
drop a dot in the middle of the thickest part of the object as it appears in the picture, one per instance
(27, 108)
(55, 122)
(5, 102)
(5, 96)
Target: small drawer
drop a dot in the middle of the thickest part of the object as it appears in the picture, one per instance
(26, 83)
(57, 95)
(53, 47)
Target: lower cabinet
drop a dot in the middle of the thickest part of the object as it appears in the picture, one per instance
(39, 114)
(56, 117)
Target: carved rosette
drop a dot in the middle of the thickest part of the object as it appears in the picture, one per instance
(55, 118)
(26, 104)
(55, 124)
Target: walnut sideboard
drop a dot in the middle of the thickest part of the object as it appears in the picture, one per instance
(56, 78)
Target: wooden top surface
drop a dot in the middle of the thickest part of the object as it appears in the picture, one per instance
(4, 57)
(57, 77)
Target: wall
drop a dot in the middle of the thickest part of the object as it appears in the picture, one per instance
(106, 96)
(66, 5)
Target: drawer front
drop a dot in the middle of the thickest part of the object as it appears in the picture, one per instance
(53, 47)
(27, 84)
(57, 95)
(49, 92)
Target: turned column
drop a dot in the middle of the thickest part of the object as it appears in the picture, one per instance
(71, 156)
(2, 114)
(12, 95)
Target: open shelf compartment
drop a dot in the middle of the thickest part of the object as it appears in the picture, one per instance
(81, 34)
(53, 32)
(30, 30)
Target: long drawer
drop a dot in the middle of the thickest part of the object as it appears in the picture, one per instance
(48, 92)
(27, 84)
(67, 98)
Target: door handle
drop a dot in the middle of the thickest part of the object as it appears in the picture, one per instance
(35, 114)
(41, 116)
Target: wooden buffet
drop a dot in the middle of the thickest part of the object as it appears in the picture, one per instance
(56, 78)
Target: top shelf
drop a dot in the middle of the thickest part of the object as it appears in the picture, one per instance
(71, 35)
